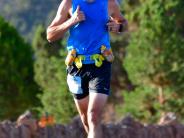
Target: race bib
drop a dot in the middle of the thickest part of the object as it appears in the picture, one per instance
(74, 84)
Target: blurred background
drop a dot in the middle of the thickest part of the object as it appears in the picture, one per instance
(147, 74)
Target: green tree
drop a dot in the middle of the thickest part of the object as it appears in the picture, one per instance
(155, 59)
(50, 74)
(17, 87)
(18, 13)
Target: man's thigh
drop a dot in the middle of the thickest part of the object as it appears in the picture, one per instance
(100, 80)
(96, 105)
(82, 105)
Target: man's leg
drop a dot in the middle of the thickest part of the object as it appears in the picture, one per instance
(95, 107)
(82, 107)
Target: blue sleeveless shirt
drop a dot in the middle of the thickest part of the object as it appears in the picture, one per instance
(88, 36)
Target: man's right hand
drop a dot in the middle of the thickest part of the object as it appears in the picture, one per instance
(78, 16)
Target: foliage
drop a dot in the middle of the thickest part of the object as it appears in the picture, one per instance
(50, 74)
(17, 87)
(155, 59)
(25, 15)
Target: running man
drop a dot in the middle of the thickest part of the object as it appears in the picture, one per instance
(90, 56)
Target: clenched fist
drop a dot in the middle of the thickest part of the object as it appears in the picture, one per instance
(78, 16)
(115, 27)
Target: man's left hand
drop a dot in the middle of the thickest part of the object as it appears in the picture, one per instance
(113, 26)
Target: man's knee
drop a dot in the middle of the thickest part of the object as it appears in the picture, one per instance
(93, 118)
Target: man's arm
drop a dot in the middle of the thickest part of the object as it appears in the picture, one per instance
(62, 22)
(117, 21)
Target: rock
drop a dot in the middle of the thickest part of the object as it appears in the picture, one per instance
(26, 127)
(109, 130)
(27, 120)
(168, 118)
(76, 128)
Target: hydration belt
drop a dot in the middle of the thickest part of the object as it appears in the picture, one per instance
(97, 59)
(84, 59)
